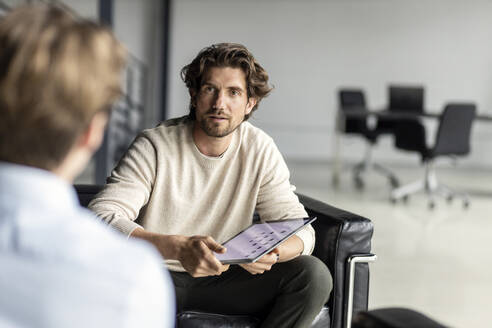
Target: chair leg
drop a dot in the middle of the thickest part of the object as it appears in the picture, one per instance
(367, 165)
(430, 177)
(364, 166)
(445, 192)
(390, 175)
(450, 194)
(359, 170)
(368, 156)
(431, 186)
(408, 189)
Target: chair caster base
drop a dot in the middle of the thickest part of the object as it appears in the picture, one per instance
(404, 199)
(335, 181)
(358, 183)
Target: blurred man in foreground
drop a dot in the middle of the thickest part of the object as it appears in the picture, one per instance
(60, 267)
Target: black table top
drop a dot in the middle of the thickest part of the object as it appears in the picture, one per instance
(397, 114)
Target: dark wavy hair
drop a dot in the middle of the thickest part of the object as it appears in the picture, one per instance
(226, 55)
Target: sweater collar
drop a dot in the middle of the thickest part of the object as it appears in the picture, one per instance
(211, 161)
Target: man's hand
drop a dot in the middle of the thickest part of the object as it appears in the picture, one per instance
(289, 249)
(197, 257)
(263, 264)
(195, 253)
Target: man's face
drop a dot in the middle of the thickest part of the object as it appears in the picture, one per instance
(222, 101)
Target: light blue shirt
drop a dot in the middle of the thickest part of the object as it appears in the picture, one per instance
(61, 267)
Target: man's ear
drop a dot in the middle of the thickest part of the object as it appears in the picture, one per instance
(93, 136)
(192, 97)
(249, 106)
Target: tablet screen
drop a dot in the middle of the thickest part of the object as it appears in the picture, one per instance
(259, 239)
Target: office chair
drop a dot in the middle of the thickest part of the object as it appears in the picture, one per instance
(452, 139)
(406, 98)
(354, 99)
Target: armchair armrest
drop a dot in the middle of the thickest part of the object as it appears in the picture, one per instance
(342, 240)
(85, 192)
(350, 282)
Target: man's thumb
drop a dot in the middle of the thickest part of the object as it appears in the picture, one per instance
(215, 246)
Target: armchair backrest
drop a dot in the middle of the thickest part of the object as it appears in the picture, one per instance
(86, 192)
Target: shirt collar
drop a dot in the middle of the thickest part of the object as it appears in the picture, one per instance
(36, 186)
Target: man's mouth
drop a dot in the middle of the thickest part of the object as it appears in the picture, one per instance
(217, 117)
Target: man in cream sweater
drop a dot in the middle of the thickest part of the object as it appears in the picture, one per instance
(194, 182)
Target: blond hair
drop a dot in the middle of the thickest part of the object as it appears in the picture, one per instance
(56, 73)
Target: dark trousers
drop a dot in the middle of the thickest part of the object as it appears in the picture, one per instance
(291, 294)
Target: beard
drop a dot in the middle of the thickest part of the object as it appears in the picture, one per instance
(217, 129)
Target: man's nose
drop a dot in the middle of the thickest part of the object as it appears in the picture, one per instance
(219, 100)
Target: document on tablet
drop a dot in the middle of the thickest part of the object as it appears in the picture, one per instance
(259, 239)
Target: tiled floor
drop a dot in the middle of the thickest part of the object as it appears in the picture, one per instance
(435, 261)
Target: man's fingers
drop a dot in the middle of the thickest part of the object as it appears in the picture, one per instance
(208, 259)
(250, 269)
(214, 266)
(269, 258)
(198, 258)
(262, 266)
(202, 272)
(256, 268)
(213, 245)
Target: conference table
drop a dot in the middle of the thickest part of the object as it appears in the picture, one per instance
(382, 114)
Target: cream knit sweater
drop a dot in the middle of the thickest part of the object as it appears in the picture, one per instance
(165, 184)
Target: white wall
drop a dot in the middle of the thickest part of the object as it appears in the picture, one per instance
(86, 8)
(311, 48)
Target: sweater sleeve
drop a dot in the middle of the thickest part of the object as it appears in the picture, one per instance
(276, 198)
(128, 188)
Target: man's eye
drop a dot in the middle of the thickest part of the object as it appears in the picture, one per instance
(209, 89)
(235, 92)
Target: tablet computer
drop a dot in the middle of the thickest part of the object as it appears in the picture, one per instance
(259, 239)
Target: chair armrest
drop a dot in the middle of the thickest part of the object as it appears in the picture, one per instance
(85, 192)
(350, 283)
(339, 236)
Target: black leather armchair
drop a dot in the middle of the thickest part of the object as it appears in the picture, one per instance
(343, 243)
